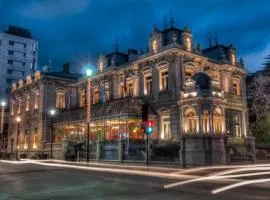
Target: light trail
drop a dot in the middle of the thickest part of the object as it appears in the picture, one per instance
(119, 170)
(243, 183)
(221, 176)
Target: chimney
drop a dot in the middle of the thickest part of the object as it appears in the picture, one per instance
(66, 68)
(132, 54)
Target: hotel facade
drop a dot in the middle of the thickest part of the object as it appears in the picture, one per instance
(196, 98)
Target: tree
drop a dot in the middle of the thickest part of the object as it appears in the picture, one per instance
(261, 130)
(266, 64)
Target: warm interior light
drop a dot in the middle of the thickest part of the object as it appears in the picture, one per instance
(18, 119)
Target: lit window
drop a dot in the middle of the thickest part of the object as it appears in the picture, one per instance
(96, 95)
(237, 129)
(19, 105)
(148, 84)
(20, 83)
(166, 127)
(188, 74)
(36, 105)
(26, 139)
(191, 122)
(60, 100)
(236, 89)
(188, 44)
(233, 59)
(107, 92)
(205, 123)
(154, 45)
(164, 80)
(35, 138)
(11, 107)
(122, 90)
(130, 89)
(27, 103)
(37, 76)
(217, 120)
(13, 87)
(101, 66)
(29, 79)
(82, 99)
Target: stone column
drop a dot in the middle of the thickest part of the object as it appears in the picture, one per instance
(155, 83)
(182, 71)
(177, 72)
(211, 121)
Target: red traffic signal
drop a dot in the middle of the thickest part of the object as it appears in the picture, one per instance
(150, 123)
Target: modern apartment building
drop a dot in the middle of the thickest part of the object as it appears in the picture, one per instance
(18, 57)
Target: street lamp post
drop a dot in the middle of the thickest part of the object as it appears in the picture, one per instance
(52, 114)
(18, 119)
(3, 104)
(89, 73)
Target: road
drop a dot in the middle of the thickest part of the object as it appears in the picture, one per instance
(38, 182)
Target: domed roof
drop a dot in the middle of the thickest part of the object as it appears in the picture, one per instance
(202, 80)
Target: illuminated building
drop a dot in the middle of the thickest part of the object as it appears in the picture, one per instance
(196, 97)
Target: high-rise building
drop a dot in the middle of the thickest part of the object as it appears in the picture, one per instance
(18, 57)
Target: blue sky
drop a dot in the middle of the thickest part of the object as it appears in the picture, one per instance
(78, 30)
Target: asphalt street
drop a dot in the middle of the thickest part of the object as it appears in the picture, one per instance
(32, 181)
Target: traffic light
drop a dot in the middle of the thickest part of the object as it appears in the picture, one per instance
(149, 127)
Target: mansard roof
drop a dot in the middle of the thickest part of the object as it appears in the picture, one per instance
(217, 52)
(202, 80)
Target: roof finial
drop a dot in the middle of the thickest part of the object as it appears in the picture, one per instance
(210, 39)
(165, 23)
(216, 39)
(116, 45)
(172, 20)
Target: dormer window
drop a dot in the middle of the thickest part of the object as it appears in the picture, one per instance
(188, 44)
(154, 45)
(20, 83)
(28, 80)
(101, 65)
(233, 58)
(37, 76)
(235, 87)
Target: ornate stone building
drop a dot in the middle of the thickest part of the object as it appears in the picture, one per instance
(196, 98)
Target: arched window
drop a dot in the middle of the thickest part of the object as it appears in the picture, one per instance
(218, 121)
(82, 98)
(191, 121)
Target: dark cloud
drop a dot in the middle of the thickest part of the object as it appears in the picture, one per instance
(79, 30)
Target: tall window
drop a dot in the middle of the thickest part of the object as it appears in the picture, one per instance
(233, 59)
(96, 95)
(36, 105)
(188, 43)
(188, 74)
(235, 87)
(154, 45)
(148, 84)
(164, 80)
(27, 103)
(35, 142)
(82, 99)
(191, 120)
(166, 127)
(130, 89)
(26, 139)
(122, 90)
(233, 123)
(217, 120)
(60, 100)
(107, 92)
(11, 107)
(205, 123)
(19, 105)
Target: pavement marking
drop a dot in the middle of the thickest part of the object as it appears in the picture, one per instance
(243, 183)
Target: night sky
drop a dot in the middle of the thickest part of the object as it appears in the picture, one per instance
(77, 31)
